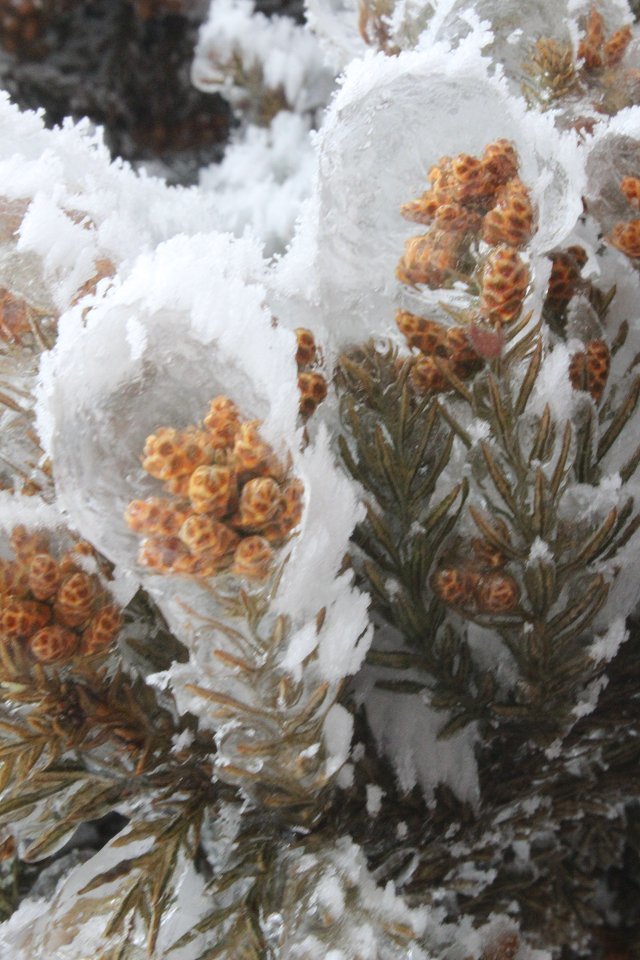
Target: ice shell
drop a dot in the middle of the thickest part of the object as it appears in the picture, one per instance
(393, 119)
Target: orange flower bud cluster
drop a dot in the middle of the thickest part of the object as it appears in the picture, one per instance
(52, 608)
(589, 368)
(473, 199)
(450, 345)
(232, 502)
(480, 584)
(598, 52)
(311, 384)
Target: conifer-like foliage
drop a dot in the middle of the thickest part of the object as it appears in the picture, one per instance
(318, 628)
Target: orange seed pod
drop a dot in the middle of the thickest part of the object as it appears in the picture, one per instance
(564, 280)
(427, 377)
(615, 47)
(505, 280)
(14, 317)
(313, 390)
(430, 259)
(103, 628)
(455, 586)
(464, 360)
(422, 210)
(253, 558)
(427, 335)
(497, 593)
(589, 368)
(306, 352)
(213, 490)
(222, 422)
(250, 453)
(44, 576)
(471, 175)
(170, 453)
(625, 237)
(630, 188)
(160, 553)
(500, 160)
(201, 533)
(14, 579)
(260, 502)
(25, 544)
(20, 619)
(155, 515)
(511, 220)
(53, 644)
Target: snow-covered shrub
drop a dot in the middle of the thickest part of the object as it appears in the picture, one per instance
(316, 570)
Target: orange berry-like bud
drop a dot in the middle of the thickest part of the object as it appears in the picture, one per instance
(14, 579)
(178, 486)
(253, 558)
(564, 280)
(455, 586)
(213, 490)
(626, 238)
(500, 161)
(590, 48)
(14, 317)
(455, 218)
(170, 453)
(616, 46)
(511, 220)
(487, 554)
(250, 453)
(444, 186)
(103, 628)
(53, 644)
(630, 188)
(78, 590)
(222, 422)
(464, 360)
(289, 515)
(293, 503)
(313, 390)
(201, 533)
(430, 259)
(505, 280)
(44, 576)
(260, 502)
(427, 377)
(156, 515)
(472, 179)
(497, 593)
(160, 553)
(589, 369)
(22, 618)
(422, 210)
(427, 335)
(25, 544)
(306, 352)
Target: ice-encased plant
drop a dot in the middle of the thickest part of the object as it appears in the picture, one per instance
(460, 513)
(243, 679)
